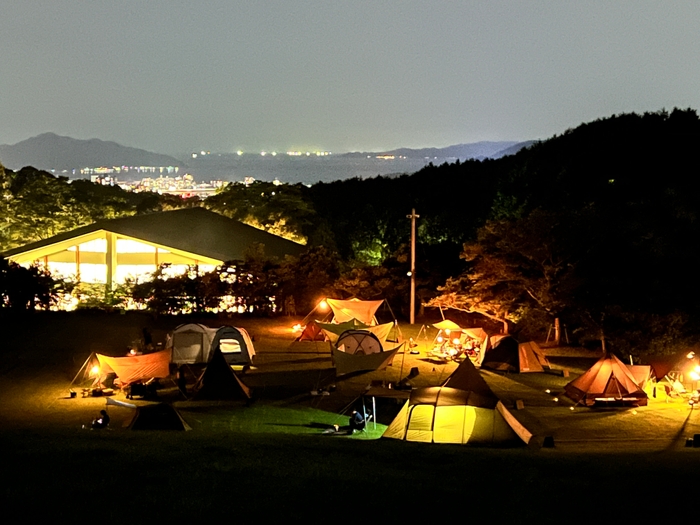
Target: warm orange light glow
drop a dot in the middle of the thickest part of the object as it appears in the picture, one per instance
(690, 355)
(323, 306)
(447, 332)
(95, 370)
(455, 341)
(694, 376)
(297, 328)
(440, 339)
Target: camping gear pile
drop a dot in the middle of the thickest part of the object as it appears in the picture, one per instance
(453, 343)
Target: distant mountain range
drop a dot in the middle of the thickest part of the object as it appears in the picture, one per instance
(52, 152)
(49, 151)
(475, 150)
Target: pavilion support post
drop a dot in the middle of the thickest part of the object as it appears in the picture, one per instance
(111, 261)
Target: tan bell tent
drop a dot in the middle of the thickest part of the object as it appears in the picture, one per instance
(466, 412)
(608, 381)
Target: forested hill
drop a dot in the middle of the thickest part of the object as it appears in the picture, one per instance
(477, 150)
(596, 226)
(54, 152)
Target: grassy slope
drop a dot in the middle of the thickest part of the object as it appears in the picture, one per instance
(271, 460)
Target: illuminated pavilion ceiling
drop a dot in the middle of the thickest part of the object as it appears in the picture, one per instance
(110, 251)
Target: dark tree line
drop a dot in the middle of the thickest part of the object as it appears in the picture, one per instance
(596, 227)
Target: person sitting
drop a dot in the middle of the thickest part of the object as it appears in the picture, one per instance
(102, 421)
(357, 421)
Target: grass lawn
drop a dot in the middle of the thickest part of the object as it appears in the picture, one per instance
(271, 460)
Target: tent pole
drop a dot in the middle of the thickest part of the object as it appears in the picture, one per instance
(374, 412)
(85, 364)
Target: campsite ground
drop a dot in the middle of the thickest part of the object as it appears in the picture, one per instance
(272, 458)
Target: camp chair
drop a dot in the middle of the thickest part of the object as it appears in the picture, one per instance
(675, 389)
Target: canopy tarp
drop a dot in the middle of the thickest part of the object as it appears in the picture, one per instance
(347, 363)
(134, 368)
(334, 331)
(446, 324)
(363, 311)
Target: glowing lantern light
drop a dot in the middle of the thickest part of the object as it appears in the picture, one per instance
(455, 341)
(556, 400)
(447, 332)
(323, 305)
(690, 355)
(95, 370)
(571, 408)
(440, 339)
(297, 328)
(694, 376)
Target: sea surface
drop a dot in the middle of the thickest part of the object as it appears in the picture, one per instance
(305, 169)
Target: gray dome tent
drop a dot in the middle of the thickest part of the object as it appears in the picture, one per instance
(196, 343)
(235, 345)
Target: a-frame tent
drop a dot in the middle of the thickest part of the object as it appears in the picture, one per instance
(466, 412)
(609, 380)
(220, 382)
(507, 355)
(159, 416)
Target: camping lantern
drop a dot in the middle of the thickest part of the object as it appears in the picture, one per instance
(95, 371)
(456, 341)
(323, 305)
(297, 328)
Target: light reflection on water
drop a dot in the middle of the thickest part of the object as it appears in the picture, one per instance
(307, 170)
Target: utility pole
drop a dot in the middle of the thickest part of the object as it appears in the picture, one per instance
(412, 272)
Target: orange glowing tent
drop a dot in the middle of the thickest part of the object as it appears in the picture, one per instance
(133, 368)
(609, 380)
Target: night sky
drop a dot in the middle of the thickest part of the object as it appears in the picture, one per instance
(222, 75)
